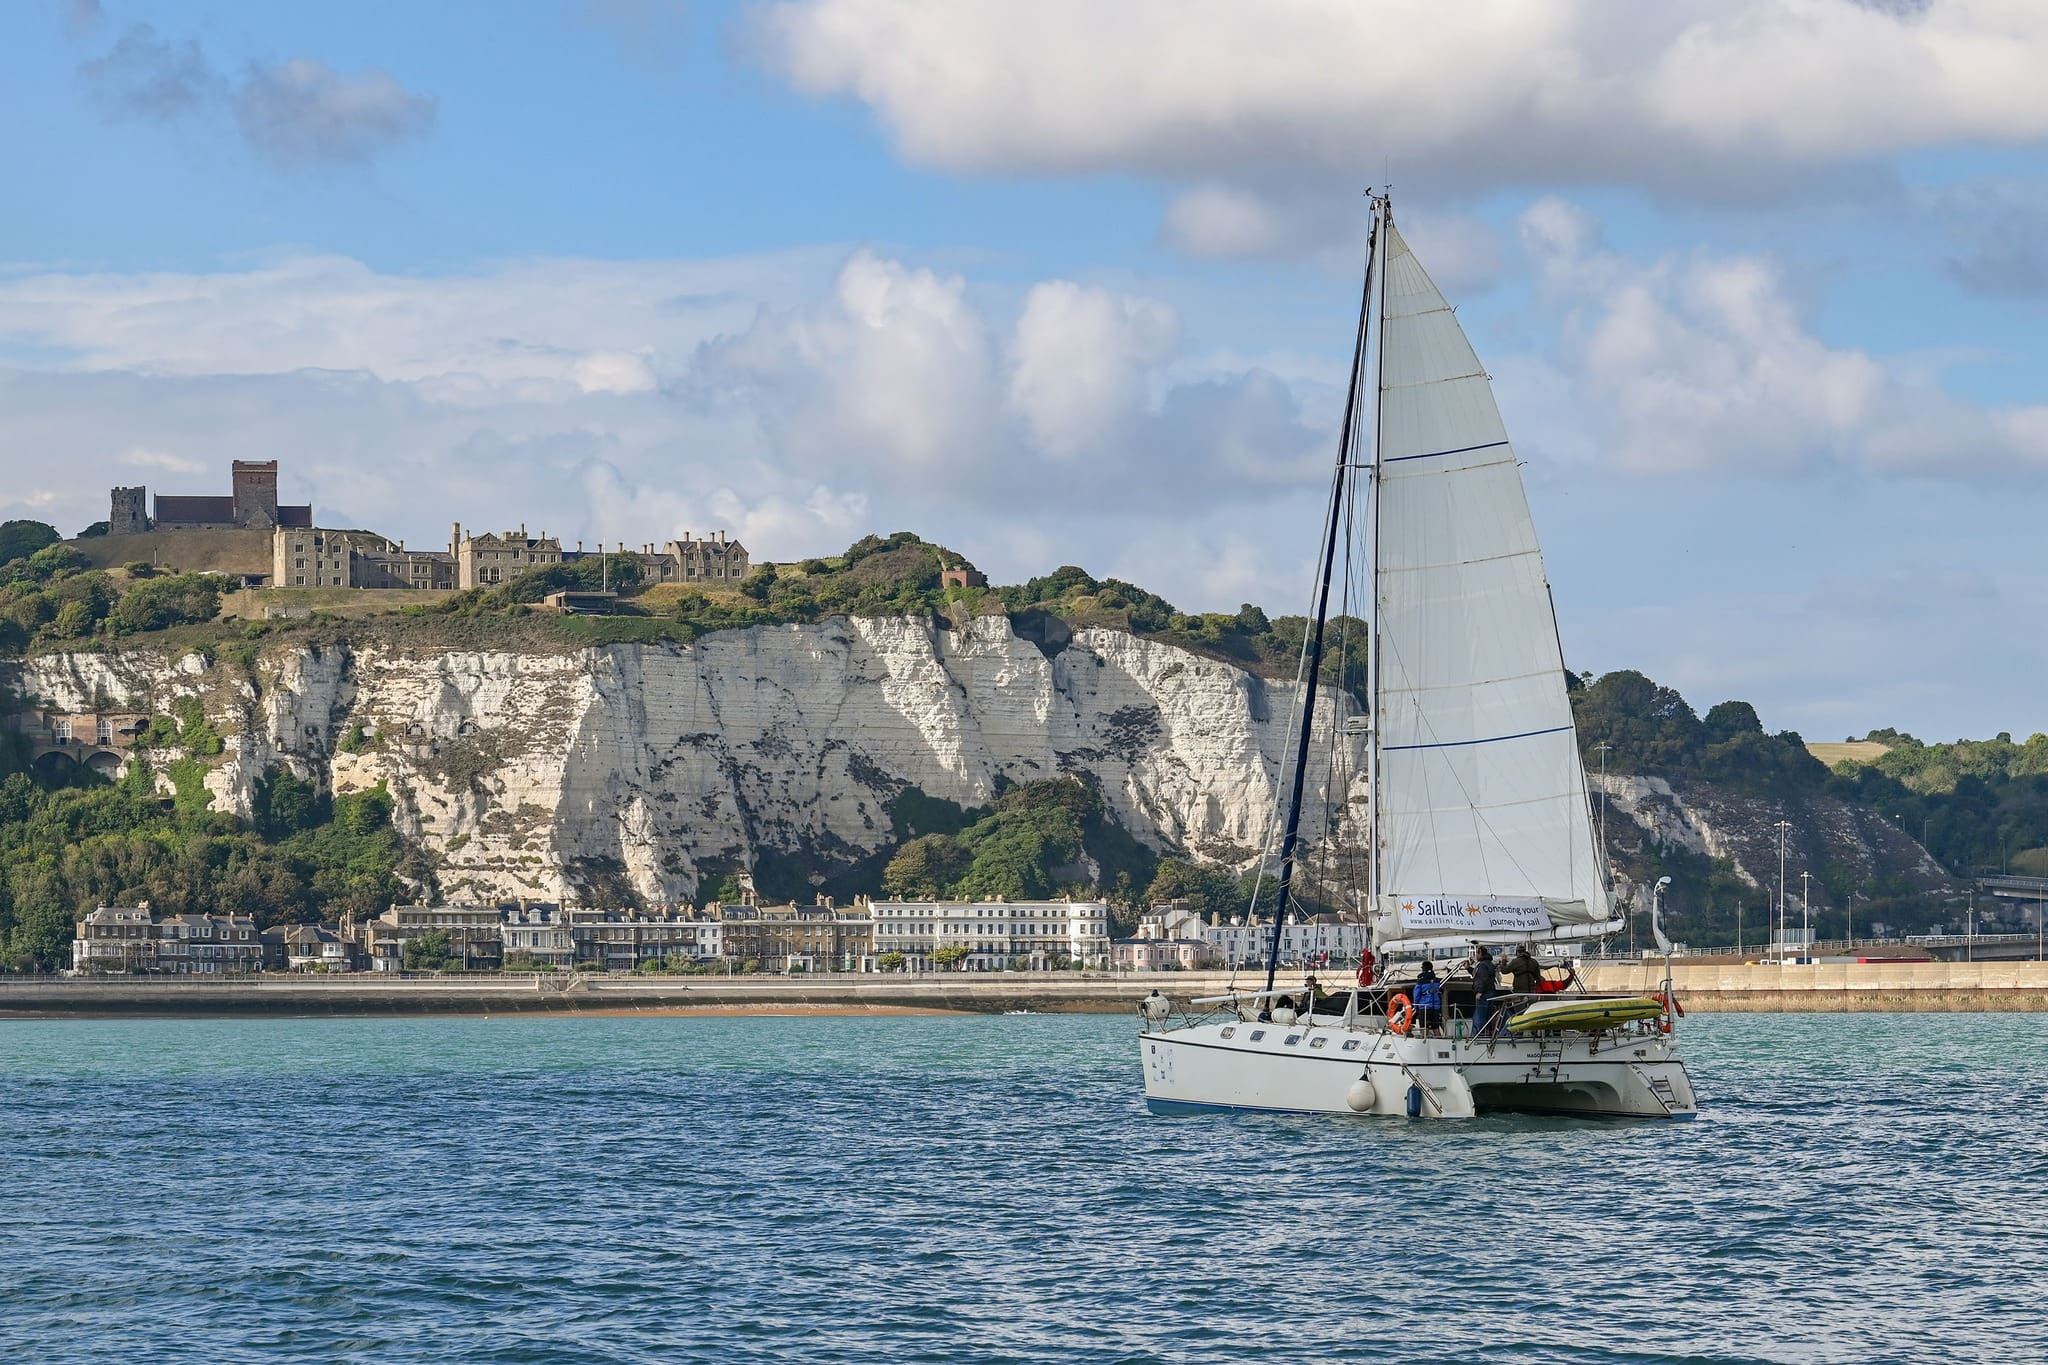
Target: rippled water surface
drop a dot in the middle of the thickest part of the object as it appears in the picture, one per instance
(1861, 1187)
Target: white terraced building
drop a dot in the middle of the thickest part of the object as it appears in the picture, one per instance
(1325, 937)
(1038, 935)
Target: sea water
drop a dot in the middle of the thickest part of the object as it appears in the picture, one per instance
(1859, 1188)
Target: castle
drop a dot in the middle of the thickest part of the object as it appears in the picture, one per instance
(251, 506)
(303, 555)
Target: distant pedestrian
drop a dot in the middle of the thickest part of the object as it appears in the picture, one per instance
(1485, 985)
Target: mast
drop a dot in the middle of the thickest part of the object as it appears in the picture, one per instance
(1315, 655)
(1383, 210)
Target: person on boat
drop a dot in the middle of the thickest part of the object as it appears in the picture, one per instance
(1366, 965)
(1485, 985)
(1525, 972)
(1428, 996)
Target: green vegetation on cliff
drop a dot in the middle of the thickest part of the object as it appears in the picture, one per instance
(1978, 806)
(65, 849)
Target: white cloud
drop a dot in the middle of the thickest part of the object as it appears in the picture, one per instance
(1707, 362)
(142, 458)
(613, 372)
(796, 406)
(1252, 107)
(1080, 360)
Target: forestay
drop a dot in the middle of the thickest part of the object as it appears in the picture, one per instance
(1484, 817)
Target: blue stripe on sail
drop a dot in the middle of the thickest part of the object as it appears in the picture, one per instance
(1433, 454)
(1462, 743)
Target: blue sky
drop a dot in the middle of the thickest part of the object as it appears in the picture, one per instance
(1762, 284)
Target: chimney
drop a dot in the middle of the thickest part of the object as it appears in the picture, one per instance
(455, 539)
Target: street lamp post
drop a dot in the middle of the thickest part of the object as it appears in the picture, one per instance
(1805, 916)
(1783, 826)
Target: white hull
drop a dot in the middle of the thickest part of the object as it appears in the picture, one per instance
(1314, 1069)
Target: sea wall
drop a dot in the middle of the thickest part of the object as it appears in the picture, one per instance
(1917, 987)
(1839, 987)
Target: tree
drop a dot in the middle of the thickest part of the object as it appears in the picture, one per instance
(1206, 890)
(73, 620)
(20, 539)
(926, 868)
(161, 603)
(949, 956)
(891, 962)
(54, 560)
(1729, 719)
(429, 952)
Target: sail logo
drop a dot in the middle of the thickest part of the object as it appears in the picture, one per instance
(1476, 914)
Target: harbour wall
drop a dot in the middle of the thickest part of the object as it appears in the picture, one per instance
(1891, 987)
(1838, 987)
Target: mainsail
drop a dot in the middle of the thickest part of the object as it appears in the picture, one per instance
(1482, 814)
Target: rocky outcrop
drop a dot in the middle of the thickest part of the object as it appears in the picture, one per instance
(1824, 832)
(538, 773)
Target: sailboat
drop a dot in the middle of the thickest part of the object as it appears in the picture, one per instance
(1480, 828)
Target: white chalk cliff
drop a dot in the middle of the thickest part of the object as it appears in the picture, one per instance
(530, 771)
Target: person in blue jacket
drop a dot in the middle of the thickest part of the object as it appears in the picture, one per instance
(1428, 995)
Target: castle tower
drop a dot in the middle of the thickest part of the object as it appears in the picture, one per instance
(255, 492)
(129, 515)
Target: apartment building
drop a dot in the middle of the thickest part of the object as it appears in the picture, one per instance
(136, 939)
(801, 938)
(1039, 935)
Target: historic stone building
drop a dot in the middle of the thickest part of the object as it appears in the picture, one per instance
(251, 505)
(711, 559)
(317, 557)
(492, 558)
(320, 558)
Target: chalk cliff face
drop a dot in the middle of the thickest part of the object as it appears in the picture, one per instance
(539, 773)
(1743, 831)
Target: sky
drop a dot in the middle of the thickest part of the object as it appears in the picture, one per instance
(1762, 285)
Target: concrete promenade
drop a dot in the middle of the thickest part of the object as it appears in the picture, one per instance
(1837, 987)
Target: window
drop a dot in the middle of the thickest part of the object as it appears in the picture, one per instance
(1230, 1032)
(1293, 1038)
(1257, 1034)
(1318, 1042)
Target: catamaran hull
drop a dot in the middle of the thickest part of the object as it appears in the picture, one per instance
(1297, 1070)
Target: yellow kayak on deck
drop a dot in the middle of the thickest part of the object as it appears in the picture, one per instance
(1583, 1014)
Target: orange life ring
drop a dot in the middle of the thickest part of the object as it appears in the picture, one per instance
(1670, 1004)
(1401, 1014)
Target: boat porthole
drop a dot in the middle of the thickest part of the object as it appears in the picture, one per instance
(1317, 1042)
(1257, 1034)
(1351, 1045)
(1230, 1033)
(1293, 1038)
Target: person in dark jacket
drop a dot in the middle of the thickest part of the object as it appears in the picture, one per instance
(1485, 985)
(1525, 972)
